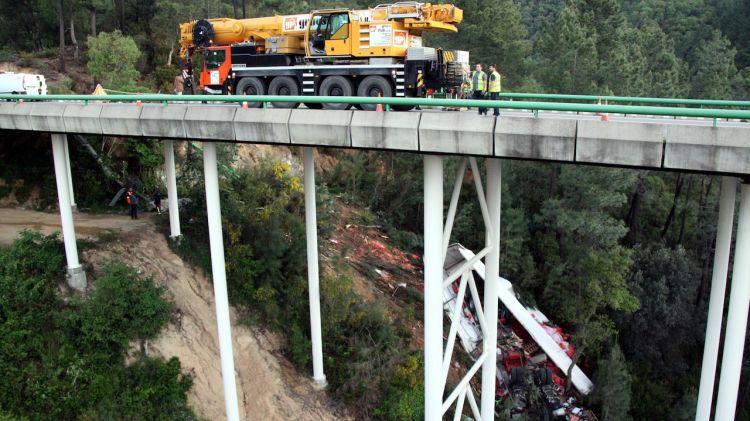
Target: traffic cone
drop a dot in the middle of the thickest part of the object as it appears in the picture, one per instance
(244, 105)
(605, 116)
(379, 107)
(138, 103)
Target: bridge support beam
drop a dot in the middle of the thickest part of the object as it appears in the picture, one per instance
(313, 279)
(174, 207)
(216, 239)
(433, 281)
(716, 301)
(491, 284)
(739, 300)
(70, 177)
(76, 275)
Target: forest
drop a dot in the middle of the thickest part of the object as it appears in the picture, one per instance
(621, 258)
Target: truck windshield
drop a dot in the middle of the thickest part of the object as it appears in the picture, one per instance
(214, 59)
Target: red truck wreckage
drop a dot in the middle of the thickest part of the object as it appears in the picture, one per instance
(534, 355)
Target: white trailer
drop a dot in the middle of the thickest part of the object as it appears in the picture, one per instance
(457, 255)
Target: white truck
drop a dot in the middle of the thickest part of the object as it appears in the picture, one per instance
(22, 83)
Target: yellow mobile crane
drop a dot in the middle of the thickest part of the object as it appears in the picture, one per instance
(337, 52)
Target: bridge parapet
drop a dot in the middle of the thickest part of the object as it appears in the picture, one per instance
(639, 142)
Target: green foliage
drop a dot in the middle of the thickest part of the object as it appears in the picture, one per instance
(366, 358)
(613, 384)
(714, 68)
(111, 60)
(63, 357)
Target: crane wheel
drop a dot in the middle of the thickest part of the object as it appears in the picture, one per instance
(251, 86)
(374, 86)
(314, 105)
(285, 86)
(336, 86)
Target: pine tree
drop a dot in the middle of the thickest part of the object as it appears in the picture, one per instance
(613, 383)
(713, 68)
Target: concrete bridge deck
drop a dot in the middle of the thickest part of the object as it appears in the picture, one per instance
(682, 144)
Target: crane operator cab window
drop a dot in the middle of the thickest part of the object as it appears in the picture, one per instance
(215, 58)
(326, 28)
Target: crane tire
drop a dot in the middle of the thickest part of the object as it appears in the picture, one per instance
(371, 86)
(251, 86)
(284, 85)
(336, 86)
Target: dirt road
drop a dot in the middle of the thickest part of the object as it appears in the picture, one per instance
(267, 385)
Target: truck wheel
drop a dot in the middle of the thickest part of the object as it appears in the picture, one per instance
(314, 105)
(336, 86)
(284, 85)
(251, 86)
(402, 107)
(372, 86)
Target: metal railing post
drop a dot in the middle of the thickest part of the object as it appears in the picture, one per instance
(433, 281)
(216, 240)
(313, 279)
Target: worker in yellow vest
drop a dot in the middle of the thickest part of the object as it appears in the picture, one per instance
(495, 87)
(479, 84)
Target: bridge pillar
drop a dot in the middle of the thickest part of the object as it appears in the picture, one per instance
(70, 177)
(313, 280)
(174, 207)
(491, 284)
(213, 207)
(739, 300)
(433, 281)
(76, 275)
(716, 301)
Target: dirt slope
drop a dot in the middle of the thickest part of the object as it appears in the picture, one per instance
(268, 387)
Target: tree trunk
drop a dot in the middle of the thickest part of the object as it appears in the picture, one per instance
(73, 38)
(631, 219)
(670, 216)
(244, 15)
(105, 168)
(236, 9)
(93, 22)
(685, 205)
(61, 24)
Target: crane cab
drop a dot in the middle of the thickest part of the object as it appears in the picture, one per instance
(329, 34)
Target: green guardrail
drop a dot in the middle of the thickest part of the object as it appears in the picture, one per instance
(629, 99)
(404, 102)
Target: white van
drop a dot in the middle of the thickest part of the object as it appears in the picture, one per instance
(22, 83)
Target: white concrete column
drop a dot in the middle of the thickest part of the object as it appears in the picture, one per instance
(716, 301)
(76, 275)
(739, 300)
(70, 177)
(433, 280)
(492, 278)
(174, 207)
(313, 279)
(218, 271)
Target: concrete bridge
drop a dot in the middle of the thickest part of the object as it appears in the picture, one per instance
(709, 141)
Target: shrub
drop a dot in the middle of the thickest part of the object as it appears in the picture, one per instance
(64, 358)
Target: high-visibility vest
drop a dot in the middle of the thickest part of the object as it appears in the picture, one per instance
(466, 86)
(479, 86)
(495, 85)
